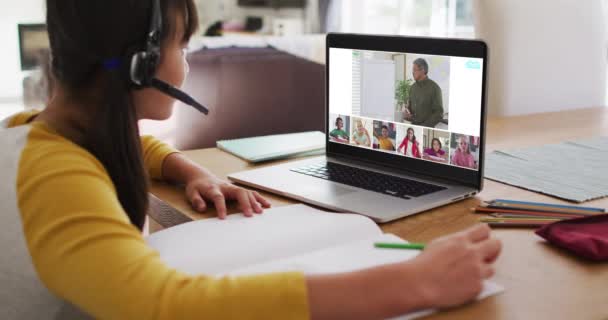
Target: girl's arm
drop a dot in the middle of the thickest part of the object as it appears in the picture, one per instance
(86, 251)
(402, 145)
(448, 273)
(202, 187)
(417, 146)
(164, 162)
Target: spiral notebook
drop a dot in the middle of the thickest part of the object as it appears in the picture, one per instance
(264, 148)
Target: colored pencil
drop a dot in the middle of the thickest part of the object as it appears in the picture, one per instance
(544, 204)
(543, 209)
(516, 216)
(515, 225)
(516, 220)
(553, 214)
(410, 246)
(537, 206)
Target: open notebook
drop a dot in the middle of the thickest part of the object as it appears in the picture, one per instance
(290, 238)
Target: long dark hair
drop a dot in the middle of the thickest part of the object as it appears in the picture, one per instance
(84, 34)
(413, 134)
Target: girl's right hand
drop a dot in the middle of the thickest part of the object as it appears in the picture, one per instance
(451, 269)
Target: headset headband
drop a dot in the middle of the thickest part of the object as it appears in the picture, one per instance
(156, 27)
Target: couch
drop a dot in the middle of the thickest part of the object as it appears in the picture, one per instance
(250, 92)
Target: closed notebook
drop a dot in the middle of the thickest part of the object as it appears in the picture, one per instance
(290, 238)
(279, 146)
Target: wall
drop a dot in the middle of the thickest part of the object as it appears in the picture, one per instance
(545, 55)
(26, 11)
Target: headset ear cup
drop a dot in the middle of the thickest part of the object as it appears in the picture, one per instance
(137, 71)
(143, 68)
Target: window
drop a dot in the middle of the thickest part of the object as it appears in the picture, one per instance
(447, 18)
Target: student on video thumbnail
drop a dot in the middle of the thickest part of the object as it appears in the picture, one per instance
(425, 107)
(361, 135)
(409, 145)
(462, 157)
(384, 140)
(338, 134)
(435, 152)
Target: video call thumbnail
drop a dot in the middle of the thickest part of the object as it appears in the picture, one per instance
(410, 140)
(436, 146)
(406, 140)
(341, 130)
(385, 135)
(361, 129)
(464, 151)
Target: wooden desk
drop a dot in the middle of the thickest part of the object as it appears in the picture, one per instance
(541, 282)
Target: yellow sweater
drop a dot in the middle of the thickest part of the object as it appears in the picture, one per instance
(85, 250)
(386, 143)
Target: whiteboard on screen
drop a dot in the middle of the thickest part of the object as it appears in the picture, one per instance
(378, 89)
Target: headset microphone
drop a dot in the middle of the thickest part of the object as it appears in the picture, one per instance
(144, 63)
(178, 94)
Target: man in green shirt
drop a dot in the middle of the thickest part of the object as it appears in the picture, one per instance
(425, 107)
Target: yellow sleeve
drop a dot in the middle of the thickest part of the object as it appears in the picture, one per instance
(86, 251)
(154, 154)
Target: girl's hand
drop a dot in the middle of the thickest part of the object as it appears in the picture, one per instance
(452, 268)
(202, 190)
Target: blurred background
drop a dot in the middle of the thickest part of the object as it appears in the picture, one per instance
(546, 55)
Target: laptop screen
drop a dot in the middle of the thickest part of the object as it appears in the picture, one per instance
(420, 106)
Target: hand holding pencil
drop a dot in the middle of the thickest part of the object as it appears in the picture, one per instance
(452, 268)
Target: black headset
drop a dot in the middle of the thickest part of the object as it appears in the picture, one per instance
(144, 64)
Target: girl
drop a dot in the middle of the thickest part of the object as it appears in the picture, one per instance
(462, 156)
(77, 181)
(409, 146)
(360, 135)
(435, 152)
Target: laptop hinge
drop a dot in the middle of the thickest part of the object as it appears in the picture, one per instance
(391, 169)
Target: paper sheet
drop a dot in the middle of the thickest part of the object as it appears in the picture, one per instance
(212, 246)
(350, 257)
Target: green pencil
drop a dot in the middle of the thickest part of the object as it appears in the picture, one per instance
(410, 246)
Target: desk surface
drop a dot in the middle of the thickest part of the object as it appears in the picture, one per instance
(541, 282)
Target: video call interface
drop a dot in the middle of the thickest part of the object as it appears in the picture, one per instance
(420, 106)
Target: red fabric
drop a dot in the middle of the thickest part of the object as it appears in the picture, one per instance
(415, 151)
(586, 237)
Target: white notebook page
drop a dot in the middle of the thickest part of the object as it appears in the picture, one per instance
(290, 238)
(212, 246)
(352, 256)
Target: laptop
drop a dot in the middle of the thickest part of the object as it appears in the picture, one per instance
(405, 121)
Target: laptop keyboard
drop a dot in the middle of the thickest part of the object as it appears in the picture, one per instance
(369, 180)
